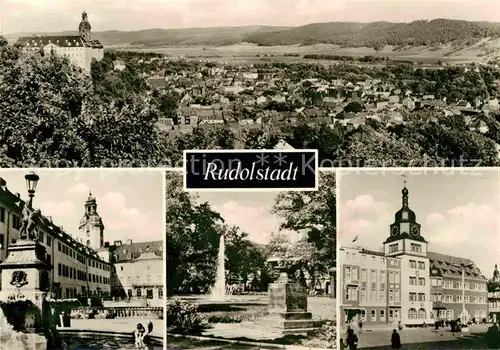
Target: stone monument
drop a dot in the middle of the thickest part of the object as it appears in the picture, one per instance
(287, 307)
(25, 280)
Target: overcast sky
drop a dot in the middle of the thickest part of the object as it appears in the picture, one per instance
(129, 203)
(458, 213)
(250, 211)
(58, 15)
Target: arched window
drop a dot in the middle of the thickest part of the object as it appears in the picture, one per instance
(422, 314)
(138, 292)
(412, 313)
(160, 293)
(373, 315)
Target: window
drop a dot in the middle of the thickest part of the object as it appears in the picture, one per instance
(393, 248)
(391, 315)
(466, 299)
(347, 273)
(449, 314)
(2, 214)
(351, 294)
(421, 281)
(40, 236)
(421, 265)
(422, 314)
(160, 293)
(49, 241)
(396, 277)
(421, 296)
(138, 292)
(363, 275)
(413, 280)
(416, 248)
(459, 285)
(391, 295)
(373, 315)
(466, 285)
(448, 284)
(413, 264)
(412, 313)
(363, 315)
(16, 222)
(382, 315)
(458, 298)
(413, 296)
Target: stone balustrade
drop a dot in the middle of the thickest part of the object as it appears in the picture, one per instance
(118, 312)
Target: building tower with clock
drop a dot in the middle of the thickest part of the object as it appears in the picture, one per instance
(91, 227)
(406, 243)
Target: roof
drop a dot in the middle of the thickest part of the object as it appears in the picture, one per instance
(58, 40)
(134, 251)
(447, 266)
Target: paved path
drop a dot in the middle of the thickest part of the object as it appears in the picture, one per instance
(240, 330)
(126, 325)
(422, 338)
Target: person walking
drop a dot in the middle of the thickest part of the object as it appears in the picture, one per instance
(352, 340)
(395, 340)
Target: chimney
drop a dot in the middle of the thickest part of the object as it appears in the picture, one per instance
(129, 241)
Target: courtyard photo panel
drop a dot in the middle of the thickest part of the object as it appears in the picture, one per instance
(248, 265)
(417, 255)
(81, 258)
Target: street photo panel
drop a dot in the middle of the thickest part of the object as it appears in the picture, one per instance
(417, 259)
(81, 259)
(134, 83)
(253, 266)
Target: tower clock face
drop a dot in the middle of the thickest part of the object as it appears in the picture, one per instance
(415, 231)
(394, 230)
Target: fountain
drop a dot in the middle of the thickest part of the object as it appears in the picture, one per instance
(218, 292)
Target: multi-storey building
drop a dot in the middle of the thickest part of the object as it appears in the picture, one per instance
(494, 296)
(79, 49)
(85, 265)
(138, 270)
(405, 282)
(78, 269)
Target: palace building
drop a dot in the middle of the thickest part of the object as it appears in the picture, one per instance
(407, 283)
(85, 265)
(494, 296)
(79, 49)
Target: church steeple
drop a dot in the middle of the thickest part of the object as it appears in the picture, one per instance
(496, 275)
(85, 28)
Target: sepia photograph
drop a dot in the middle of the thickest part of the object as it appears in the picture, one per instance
(368, 83)
(81, 259)
(253, 268)
(417, 259)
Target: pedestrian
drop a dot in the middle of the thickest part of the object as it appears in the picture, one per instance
(342, 344)
(395, 340)
(352, 340)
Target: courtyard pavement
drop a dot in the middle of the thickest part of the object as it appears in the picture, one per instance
(422, 338)
(125, 325)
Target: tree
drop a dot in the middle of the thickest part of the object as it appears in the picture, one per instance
(353, 107)
(314, 215)
(192, 240)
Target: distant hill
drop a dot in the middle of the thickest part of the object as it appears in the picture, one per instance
(425, 33)
(347, 34)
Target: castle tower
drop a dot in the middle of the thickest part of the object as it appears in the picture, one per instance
(407, 245)
(85, 28)
(91, 226)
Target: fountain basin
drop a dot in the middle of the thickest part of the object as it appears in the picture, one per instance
(85, 339)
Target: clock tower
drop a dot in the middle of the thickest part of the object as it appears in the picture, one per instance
(404, 233)
(91, 226)
(406, 244)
